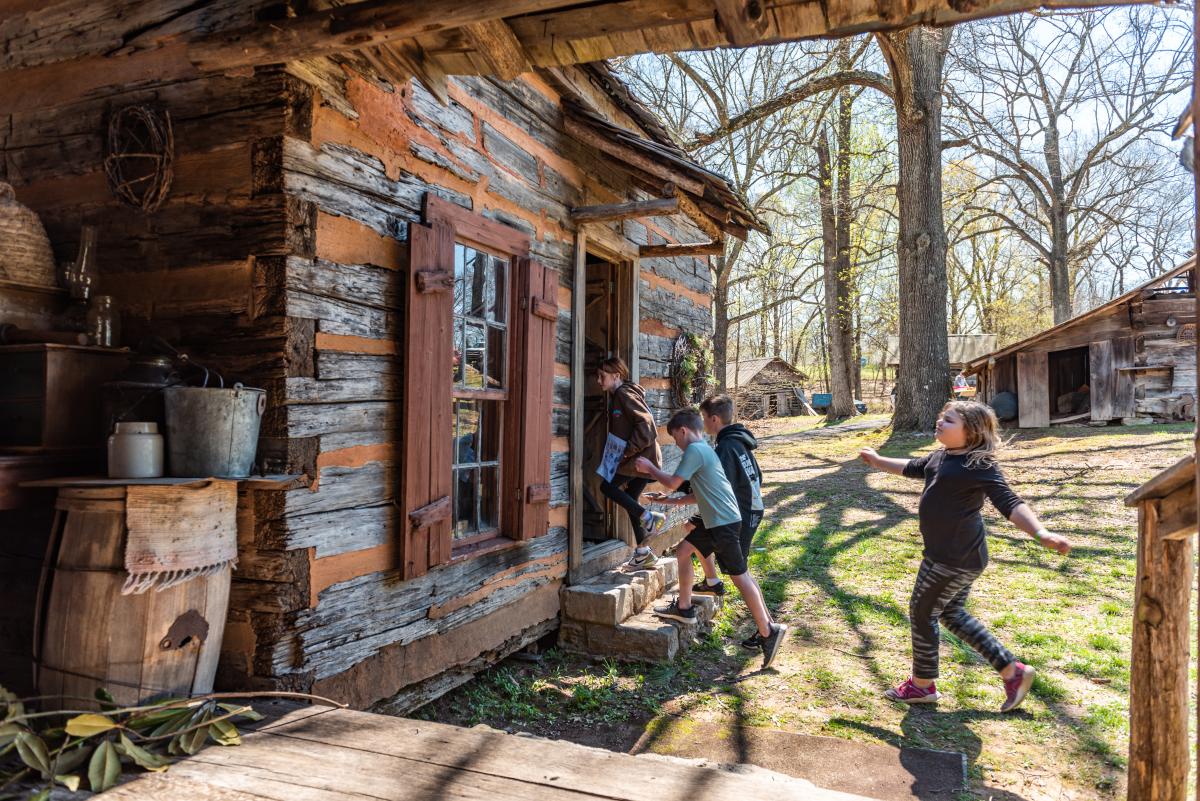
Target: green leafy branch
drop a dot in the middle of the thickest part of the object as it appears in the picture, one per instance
(147, 736)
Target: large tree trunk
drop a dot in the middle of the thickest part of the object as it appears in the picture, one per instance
(842, 403)
(915, 57)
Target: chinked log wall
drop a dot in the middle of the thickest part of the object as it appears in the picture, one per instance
(317, 601)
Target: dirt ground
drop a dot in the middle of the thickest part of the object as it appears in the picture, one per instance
(836, 559)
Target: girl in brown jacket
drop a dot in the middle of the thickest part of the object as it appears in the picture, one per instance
(631, 420)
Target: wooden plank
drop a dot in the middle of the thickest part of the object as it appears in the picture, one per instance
(544, 767)
(686, 249)
(625, 211)
(1166, 482)
(742, 21)
(578, 316)
(499, 47)
(632, 158)
(1123, 401)
(1032, 390)
(1177, 513)
(1102, 381)
(702, 220)
(475, 228)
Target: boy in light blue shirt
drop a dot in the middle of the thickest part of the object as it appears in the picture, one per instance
(721, 532)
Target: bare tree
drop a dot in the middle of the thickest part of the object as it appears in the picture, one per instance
(915, 58)
(703, 91)
(1059, 111)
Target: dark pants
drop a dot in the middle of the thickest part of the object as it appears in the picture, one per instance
(624, 491)
(940, 595)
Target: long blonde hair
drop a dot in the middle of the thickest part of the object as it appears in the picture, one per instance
(982, 430)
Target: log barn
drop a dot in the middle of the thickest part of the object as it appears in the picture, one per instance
(419, 271)
(1132, 359)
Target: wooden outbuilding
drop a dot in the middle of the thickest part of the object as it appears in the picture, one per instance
(768, 387)
(1132, 359)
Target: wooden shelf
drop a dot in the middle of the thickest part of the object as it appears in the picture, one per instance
(33, 289)
(1147, 368)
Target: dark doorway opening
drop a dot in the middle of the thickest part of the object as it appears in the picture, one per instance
(1069, 373)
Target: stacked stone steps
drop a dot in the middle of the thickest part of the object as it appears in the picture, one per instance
(611, 616)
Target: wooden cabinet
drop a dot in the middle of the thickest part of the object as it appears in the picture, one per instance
(50, 394)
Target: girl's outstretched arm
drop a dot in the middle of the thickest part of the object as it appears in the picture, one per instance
(885, 463)
(1023, 518)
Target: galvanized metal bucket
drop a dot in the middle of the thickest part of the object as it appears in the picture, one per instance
(213, 432)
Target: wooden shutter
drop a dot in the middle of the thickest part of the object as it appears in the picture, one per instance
(529, 462)
(425, 473)
(1033, 390)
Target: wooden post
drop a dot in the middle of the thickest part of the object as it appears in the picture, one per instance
(578, 377)
(1195, 208)
(1159, 757)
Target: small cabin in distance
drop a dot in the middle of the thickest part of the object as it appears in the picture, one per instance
(768, 387)
(1132, 359)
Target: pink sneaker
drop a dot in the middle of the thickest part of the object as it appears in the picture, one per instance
(910, 693)
(1016, 688)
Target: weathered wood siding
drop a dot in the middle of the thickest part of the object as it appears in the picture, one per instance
(318, 601)
(1162, 328)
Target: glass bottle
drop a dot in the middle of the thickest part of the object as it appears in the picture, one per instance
(81, 276)
(103, 322)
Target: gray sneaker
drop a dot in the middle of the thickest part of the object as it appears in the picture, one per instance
(640, 561)
(772, 643)
(673, 611)
(654, 522)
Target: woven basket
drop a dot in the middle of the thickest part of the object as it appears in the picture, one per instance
(25, 254)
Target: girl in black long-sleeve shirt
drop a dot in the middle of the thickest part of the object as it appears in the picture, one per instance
(958, 477)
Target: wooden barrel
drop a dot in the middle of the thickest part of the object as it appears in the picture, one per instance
(139, 647)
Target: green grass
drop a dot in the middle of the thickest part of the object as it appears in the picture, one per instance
(836, 560)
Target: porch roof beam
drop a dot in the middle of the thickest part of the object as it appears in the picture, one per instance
(624, 211)
(685, 249)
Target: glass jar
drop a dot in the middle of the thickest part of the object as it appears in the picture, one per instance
(103, 322)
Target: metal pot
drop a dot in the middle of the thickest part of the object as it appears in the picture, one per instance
(213, 432)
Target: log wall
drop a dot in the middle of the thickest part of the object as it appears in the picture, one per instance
(317, 601)
(278, 259)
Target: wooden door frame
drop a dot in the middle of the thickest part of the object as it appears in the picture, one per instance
(622, 257)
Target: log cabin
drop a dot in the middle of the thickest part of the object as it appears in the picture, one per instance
(766, 387)
(229, 266)
(1132, 359)
(420, 272)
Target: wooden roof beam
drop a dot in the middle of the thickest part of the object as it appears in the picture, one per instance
(625, 211)
(348, 27)
(743, 21)
(499, 47)
(631, 157)
(686, 249)
(702, 220)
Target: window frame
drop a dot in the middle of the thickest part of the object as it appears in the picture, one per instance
(503, 242)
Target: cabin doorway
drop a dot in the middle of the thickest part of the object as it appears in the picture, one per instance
(1068, 384)
(608, 330)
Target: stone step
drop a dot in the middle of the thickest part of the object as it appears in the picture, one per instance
(615, 595)
(644, 637)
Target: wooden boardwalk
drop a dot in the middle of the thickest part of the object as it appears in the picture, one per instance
(324, 754)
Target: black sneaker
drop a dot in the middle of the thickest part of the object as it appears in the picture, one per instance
(705, 588)
(772, 643)
(753, 642)
(673, 611)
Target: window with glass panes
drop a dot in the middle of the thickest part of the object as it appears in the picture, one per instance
(480, 390)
